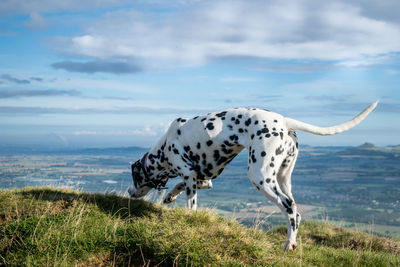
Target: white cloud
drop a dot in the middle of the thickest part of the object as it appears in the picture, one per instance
(305, 29)
(364, 61)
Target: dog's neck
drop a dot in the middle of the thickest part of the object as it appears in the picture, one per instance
(157, 164)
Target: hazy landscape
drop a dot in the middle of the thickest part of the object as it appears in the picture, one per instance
(356, 187)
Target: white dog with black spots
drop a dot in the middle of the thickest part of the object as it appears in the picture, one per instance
(198, 149)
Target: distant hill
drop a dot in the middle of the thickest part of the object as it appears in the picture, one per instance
(72, 151)
(47, 226)
(112, 150)
(369, 149)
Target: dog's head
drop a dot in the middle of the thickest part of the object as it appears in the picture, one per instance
(140, 179)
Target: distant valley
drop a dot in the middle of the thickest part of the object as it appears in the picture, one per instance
(352, 186)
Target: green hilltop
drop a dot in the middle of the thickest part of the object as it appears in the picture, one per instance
(47, 226)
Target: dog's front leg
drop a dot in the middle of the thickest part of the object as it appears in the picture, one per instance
(171, 197)
(191, 193)
(180, 187)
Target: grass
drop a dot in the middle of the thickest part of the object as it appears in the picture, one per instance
(47, 226)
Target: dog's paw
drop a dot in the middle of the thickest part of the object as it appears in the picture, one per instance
(169, 199)
(289, 246)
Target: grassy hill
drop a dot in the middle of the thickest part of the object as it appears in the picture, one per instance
(47, 226)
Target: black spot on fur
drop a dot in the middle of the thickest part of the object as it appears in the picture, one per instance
(209, 142)
(288, 209)
(234, 137)
(210, 126)
(292, 223)
(263, 154)
(216, 155)
(198, 146)
(279, 150)
(179, 132)
(289, 201)
(222, 160)
(221, 114)
(268, 180)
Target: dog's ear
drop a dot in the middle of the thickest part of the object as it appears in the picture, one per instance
(136, 168)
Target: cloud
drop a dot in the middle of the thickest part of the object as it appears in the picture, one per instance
(27, 7)
(309, 29)
(124, 110)
(10, 78)
(36, 21)
(37, 79)
(97, 66)
(47, 6)
(33, 93)
(366, 61)
(237, 79)
(330, 98)
(144, 131)
(296, 67)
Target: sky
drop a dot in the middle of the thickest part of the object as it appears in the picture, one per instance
(105, 73)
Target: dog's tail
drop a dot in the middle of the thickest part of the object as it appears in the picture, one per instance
(298, 125)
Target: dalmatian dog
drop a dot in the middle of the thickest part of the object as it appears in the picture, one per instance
(198, 150)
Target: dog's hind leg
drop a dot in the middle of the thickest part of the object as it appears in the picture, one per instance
(284, 181)
(180, 187)
(263, 174)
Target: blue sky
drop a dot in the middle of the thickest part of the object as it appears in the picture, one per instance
(115, 73)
